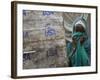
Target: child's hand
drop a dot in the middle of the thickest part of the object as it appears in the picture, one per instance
(82, 39)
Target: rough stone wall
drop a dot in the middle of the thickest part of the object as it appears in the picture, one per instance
(44, 43)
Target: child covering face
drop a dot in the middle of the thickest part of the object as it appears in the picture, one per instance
(77, 54)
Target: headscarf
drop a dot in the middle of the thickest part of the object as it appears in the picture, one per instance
(79, 56)
(81, 21)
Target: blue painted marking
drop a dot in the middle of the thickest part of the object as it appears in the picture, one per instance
(26, 57)
(25, 34)
(47, 13)
(24, 12)
(50, 32)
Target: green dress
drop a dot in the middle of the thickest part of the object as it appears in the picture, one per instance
(78, 56)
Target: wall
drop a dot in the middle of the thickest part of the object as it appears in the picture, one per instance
(5, 41)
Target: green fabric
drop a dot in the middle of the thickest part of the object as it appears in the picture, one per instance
(79, 57)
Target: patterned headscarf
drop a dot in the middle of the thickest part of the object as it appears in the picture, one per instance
(81, 21)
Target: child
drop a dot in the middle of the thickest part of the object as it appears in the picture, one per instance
(77, 51)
